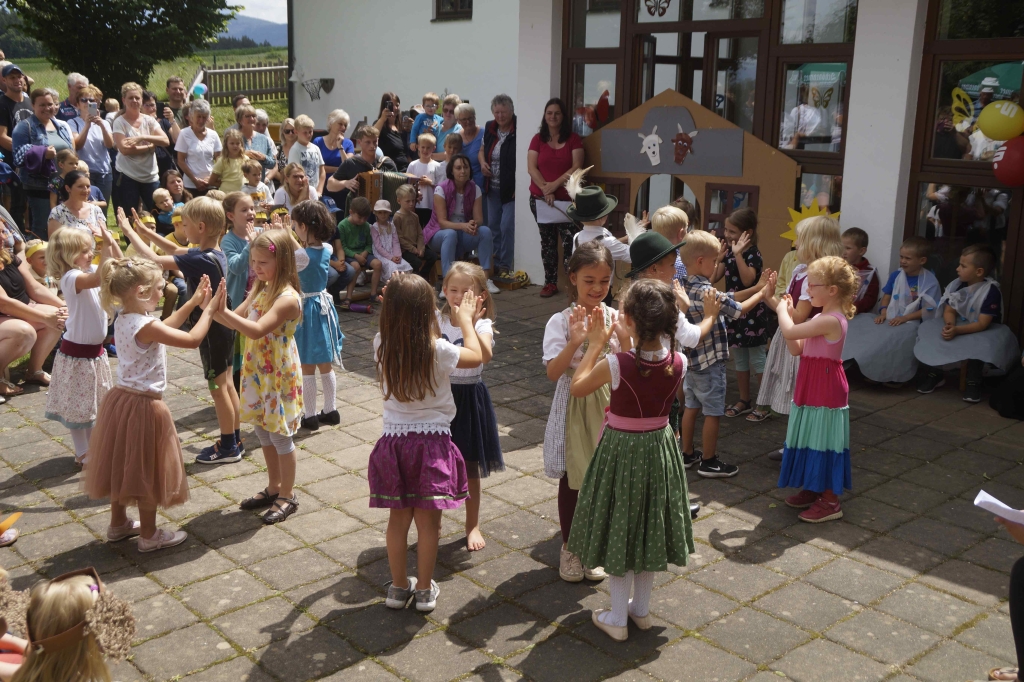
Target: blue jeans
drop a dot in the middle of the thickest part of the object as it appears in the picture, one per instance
(705, 389)
(39, 215)
(336, 281)
(502, 219)
(127, 193)
(105, 181)
(179, 283)
(453, 243)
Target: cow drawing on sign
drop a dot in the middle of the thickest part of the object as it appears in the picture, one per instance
(651, 146)
(682, 144)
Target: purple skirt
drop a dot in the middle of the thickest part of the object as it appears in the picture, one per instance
(421, 470)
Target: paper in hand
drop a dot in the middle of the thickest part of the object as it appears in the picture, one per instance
(991, 504)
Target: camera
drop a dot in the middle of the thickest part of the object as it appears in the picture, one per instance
(389, 105)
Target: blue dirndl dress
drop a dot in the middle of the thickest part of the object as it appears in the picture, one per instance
(318, 336)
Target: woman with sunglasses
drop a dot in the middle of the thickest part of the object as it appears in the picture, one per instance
(288, 138)
(449, 124)
(472, 138)
(93, 137)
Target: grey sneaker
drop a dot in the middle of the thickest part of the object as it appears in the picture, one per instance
(570, 568)
(399, 597)
(426, 600)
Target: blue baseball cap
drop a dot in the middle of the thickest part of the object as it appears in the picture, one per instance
(11, 68)
(330, 204)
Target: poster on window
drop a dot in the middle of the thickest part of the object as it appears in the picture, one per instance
(812, 117)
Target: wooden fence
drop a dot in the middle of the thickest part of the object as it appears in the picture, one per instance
(260, 81)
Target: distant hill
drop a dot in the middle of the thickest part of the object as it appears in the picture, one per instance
(259, 30)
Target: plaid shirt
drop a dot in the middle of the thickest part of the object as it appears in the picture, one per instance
(715, 346)
(680, 271)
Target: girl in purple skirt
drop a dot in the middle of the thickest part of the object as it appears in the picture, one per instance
(415, 468)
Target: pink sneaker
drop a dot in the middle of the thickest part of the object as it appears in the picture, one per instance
(822, 511)
(118, 533)
(162, 539)
(803, 499)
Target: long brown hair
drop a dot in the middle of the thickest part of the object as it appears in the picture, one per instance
(408, 329)
(651, 305)
(277, 243)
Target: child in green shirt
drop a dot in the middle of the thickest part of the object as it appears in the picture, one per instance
(354, 238)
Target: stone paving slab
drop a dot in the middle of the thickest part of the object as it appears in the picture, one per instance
(910, 586)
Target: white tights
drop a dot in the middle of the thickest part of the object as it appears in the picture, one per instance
(622, 605)
(80, 437)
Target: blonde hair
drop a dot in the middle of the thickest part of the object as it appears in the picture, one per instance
(303, 121)
(405, 191)
(208, 211)
(278, 243)
(408, 329)
(428, 138)
(668, 221)
(161, 194)
(216, 194)
(82, 166)
(234, 134)
(251, 166)
(834, 271)
(55, 607)
(698, 243)
(290, 170)
(479, 277)
(120, 276)
(451, 98)
(818, 236)
(130, 87)
(431, 97)
(65, 245)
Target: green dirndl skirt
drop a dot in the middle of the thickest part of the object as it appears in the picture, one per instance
(633, 512)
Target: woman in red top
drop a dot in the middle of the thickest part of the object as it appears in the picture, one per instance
(555, 153)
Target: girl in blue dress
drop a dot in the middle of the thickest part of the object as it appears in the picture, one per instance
(318, 336)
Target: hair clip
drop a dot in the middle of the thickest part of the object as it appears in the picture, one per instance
(272, 248)
(129, 263)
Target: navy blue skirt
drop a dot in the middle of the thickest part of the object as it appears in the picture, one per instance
(475, 429)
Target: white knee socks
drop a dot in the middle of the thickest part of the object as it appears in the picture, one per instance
(329, 383)
(309, 394)
(620, 600)
(640, 604)
(80, 437)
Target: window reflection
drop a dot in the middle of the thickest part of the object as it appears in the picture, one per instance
(595, 23)
(955, 216)
(736, 81)
(964, 19)
(813, 107)
(703, 10)
(826, 189)
(593, 97)
(819, 21)
(965, 88)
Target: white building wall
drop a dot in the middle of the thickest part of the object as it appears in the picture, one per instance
(883, 105)
(369, 47)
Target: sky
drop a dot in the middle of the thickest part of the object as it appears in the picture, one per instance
(270, 10)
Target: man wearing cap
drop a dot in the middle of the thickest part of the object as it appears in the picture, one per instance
(15, 107)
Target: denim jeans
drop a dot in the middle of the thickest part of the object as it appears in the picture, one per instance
(39, 215)
(502, 219)
(453, 243)
(105, 181)
(337, 281)
(179, 283)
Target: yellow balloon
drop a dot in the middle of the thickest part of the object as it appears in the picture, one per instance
(1003, 120)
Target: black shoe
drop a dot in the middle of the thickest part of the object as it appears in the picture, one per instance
(283, 508)
(716, 468)
(931, 382)
(311, 423)
(690, 460)
(694, 509)
(331, 417)
(973, 392)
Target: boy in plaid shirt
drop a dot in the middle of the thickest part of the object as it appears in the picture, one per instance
(704, 386)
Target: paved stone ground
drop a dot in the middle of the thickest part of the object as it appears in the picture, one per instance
(910, 585)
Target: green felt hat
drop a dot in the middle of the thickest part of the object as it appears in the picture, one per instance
(591, 204)
(648, 249)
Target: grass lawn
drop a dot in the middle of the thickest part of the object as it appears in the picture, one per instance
(46, 75)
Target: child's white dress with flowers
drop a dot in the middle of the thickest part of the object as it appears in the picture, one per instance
(385, 247)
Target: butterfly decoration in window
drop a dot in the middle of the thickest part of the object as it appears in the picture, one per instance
(821, 100)
(657, 7)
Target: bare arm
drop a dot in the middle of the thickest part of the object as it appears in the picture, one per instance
(179, 316)
(320, 182)
(36, 291)
(165, 262)
(880, 318)
(5, 139)
(163, 333)
(285, 308)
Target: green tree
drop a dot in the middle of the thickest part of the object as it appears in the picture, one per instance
(117, 41)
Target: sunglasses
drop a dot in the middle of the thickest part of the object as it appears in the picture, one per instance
(87, 99)
(287, 132)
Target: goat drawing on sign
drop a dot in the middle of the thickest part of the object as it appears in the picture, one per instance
(682, 144)
(651, 146)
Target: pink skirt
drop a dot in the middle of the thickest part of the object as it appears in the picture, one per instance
(421, 470)
(134, 454)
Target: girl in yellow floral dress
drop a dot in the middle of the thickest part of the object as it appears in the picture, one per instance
(271, 385)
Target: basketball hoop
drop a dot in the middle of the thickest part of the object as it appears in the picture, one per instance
(312, 87)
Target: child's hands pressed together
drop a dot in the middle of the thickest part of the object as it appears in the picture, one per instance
(768, 277)
(600, 332)
(712, 303)
(466, 309)
(202, 294)
(577, 326)
(682, 300)
(785, 306)
(949, 332)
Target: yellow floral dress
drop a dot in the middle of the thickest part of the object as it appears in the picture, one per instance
(271, 387)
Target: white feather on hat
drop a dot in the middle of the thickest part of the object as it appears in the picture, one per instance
(575, 182)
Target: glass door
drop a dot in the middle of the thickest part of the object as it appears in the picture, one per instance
(732, 89)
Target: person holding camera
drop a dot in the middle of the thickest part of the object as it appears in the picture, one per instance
(93, 137)
(392, 135)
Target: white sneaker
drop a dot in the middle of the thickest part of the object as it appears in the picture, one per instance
(361, 279)
(162, 540)
(492, 288)
(596, 574)
(570, 569)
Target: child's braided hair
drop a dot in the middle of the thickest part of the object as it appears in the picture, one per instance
(651, 305)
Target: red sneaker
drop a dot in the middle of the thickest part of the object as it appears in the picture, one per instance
(549, 290)
(822, 511)
(803, 499)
